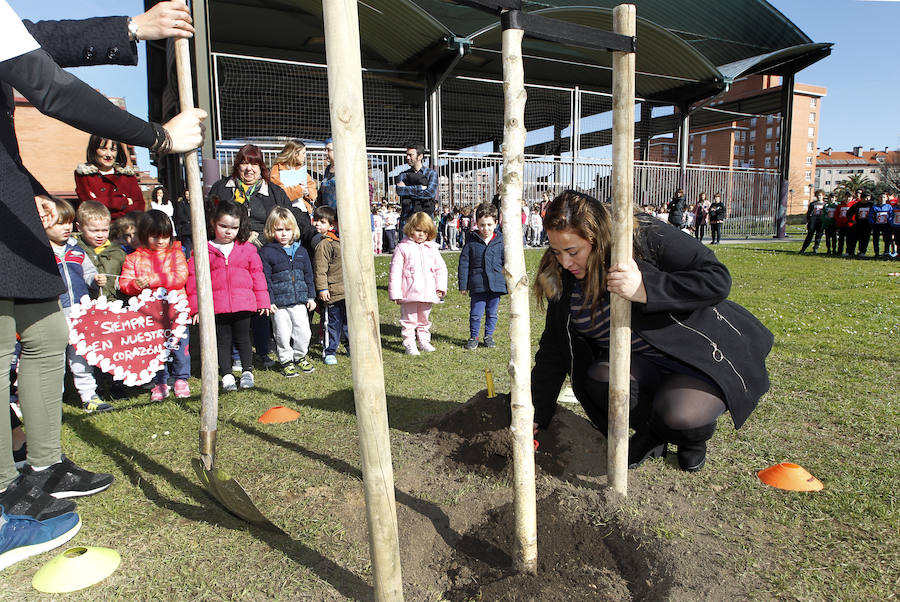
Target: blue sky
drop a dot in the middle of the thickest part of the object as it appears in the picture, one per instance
(862, 74)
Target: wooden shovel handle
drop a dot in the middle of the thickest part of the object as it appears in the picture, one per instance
(209, 391)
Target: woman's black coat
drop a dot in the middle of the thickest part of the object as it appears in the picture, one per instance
(687, 316)
(27, 266)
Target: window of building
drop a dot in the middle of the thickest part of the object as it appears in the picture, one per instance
(828, 171)
(827, 182)
(702, 153)
(813, 102)
(768, 147)
(806, 190)
(737, 162)
(752, 134)
(809, 160)
(752, 161)
(768, 132)
(770, 119)
(777, 146)
(753, 122)
(692, 149)
(808, 175)
(811, 132)
(809, 146)
(778, 131)
(752, 148)
(768, 162)
(812, 116)
(703, 139)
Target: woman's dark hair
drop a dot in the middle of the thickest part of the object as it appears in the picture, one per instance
(165, 199)
(250, 153)
(231, 209)
(153, 223)
(95, 142)
(590, 219)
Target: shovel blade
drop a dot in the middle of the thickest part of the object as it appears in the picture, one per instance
(229, 493)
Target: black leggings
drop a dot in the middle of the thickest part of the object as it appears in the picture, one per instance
(672, 405)
(234, 327)
(716, 229)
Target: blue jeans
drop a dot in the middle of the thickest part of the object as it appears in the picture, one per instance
(481, 304)
(336, 327)
(179, 364)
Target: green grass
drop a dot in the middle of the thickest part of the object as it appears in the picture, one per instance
(833, 408)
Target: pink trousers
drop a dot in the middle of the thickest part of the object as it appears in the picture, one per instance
(414, 321)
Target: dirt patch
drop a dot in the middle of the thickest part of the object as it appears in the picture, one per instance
(455, 514)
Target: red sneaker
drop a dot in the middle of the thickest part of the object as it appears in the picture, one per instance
(182, 389)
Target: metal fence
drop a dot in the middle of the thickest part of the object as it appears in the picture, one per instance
(468, 178)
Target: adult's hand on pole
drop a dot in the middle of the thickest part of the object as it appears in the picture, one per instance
(165, 20)
(186, 130)
(626, 281)
(46, 209)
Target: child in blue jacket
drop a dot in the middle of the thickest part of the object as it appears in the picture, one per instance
(481, 274)
(289, 275)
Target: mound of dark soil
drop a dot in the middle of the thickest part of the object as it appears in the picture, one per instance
(455, 515)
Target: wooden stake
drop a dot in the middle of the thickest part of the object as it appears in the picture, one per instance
(622, 251)
(351, 175)
(209, 362)
(519, 316)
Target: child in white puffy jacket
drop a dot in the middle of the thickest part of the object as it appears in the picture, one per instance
(418, 279)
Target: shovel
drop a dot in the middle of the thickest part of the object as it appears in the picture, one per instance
(217, 482)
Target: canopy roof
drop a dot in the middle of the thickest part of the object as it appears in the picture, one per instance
(686, 51)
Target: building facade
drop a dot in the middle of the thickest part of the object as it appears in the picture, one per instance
(832, 167)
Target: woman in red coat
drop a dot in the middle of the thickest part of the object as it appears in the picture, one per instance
(106, 178)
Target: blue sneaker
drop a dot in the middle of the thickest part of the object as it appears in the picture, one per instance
(22, 536)
(330, 360)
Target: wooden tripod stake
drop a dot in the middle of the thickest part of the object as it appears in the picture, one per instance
(517, 282)
(622, 251)
(348, 129)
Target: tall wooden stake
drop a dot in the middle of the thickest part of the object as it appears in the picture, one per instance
(349, 132)
(622, 251)
(517, 282)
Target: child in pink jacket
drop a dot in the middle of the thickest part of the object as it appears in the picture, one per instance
(418, 279)
(239, 289)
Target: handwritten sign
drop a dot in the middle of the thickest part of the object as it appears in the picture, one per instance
(130, 341)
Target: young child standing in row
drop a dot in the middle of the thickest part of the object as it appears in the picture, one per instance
(238, 287)
(92, 221)
(289, 275)
(79, 275)
(160, 263)
(481, 274)
(330, 282)
(418, 279)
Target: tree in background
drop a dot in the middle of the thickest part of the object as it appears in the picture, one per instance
(890, 172)
(854, 183)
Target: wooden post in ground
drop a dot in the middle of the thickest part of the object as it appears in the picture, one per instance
(349, 134)
(622, 250)
(511, 191)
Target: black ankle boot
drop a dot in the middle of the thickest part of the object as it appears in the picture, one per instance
(643, 446)
(692, 456)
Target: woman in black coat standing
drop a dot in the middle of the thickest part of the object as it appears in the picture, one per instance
(31, 55)
(695, 355)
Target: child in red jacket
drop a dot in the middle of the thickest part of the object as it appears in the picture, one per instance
(239, 289)
(158, 263)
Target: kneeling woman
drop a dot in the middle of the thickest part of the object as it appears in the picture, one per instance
(695, 355)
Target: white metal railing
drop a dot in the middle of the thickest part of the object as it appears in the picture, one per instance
(469, 178)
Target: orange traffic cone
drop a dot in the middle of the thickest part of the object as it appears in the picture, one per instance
(279, 414)
(790, 477)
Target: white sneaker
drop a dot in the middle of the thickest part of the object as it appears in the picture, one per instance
(247, 380)
(228, 383)
(411, 349)
(426, 346)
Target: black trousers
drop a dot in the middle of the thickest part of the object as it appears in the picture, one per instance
(831, 238)
(861, 234)
(845, 237)
(234, 328)
(716, 231)
(882, 232)
(813, 229)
